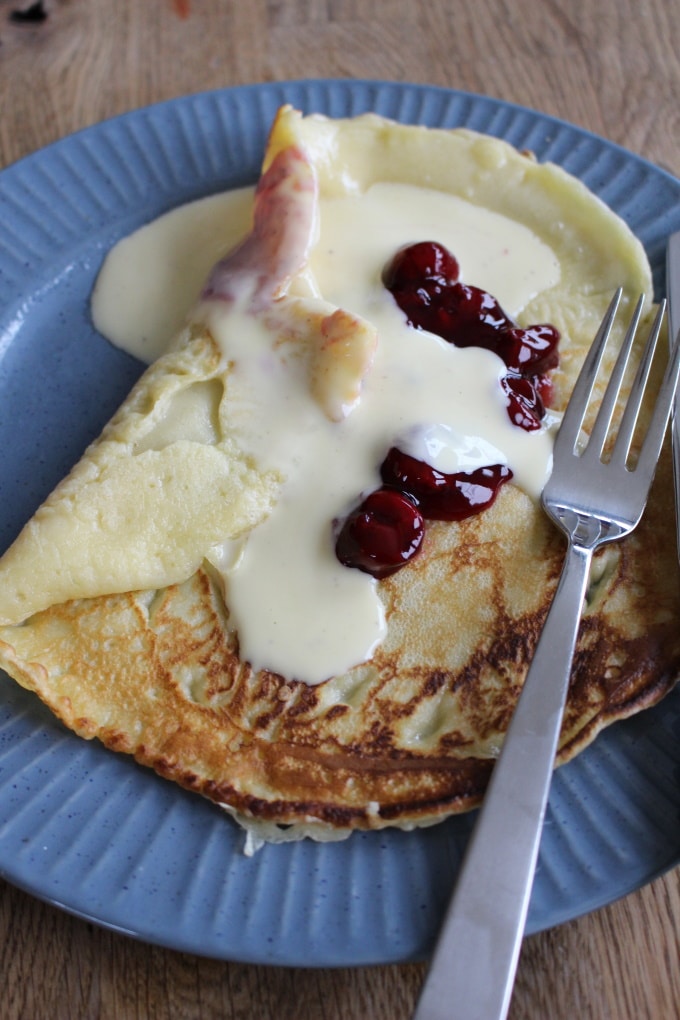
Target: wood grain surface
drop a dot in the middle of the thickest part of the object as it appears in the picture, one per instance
(611, 66)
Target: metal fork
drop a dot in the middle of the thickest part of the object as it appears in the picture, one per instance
(592, 499)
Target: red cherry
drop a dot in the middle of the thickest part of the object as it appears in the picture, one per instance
(382, 534)
(529, 351)
(525, 407)
(443, 497)
(416, 263)
(472, 304)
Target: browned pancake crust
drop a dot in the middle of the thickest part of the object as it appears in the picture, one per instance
(407, 738)
(412, 735)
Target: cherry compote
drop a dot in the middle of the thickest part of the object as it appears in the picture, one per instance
(383, 533)
(440, 496)
(387, 529)
(424, 280)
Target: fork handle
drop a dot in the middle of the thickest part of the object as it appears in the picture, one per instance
(474, 964)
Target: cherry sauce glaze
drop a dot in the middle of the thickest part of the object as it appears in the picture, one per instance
(386, 530)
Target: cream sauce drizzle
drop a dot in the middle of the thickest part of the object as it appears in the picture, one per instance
(296, 609)
(151, 278)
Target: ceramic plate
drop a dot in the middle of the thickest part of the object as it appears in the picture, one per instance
(99, 836)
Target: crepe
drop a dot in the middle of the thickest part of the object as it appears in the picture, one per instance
(112, 603)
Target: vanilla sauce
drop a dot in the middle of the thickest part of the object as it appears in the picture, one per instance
(297, 610)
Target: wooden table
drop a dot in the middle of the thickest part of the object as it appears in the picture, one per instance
(612, 67)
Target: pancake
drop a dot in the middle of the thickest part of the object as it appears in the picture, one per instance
(113, 604)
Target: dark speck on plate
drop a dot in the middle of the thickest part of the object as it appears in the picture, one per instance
(29, 15)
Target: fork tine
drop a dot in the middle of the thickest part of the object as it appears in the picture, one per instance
(630, 415)
(651, 447)
(592, 501)
(600, 428)
(572, 421)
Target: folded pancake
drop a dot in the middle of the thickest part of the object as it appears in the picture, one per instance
(113, 602)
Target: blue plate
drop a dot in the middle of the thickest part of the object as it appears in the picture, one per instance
(107, 840)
